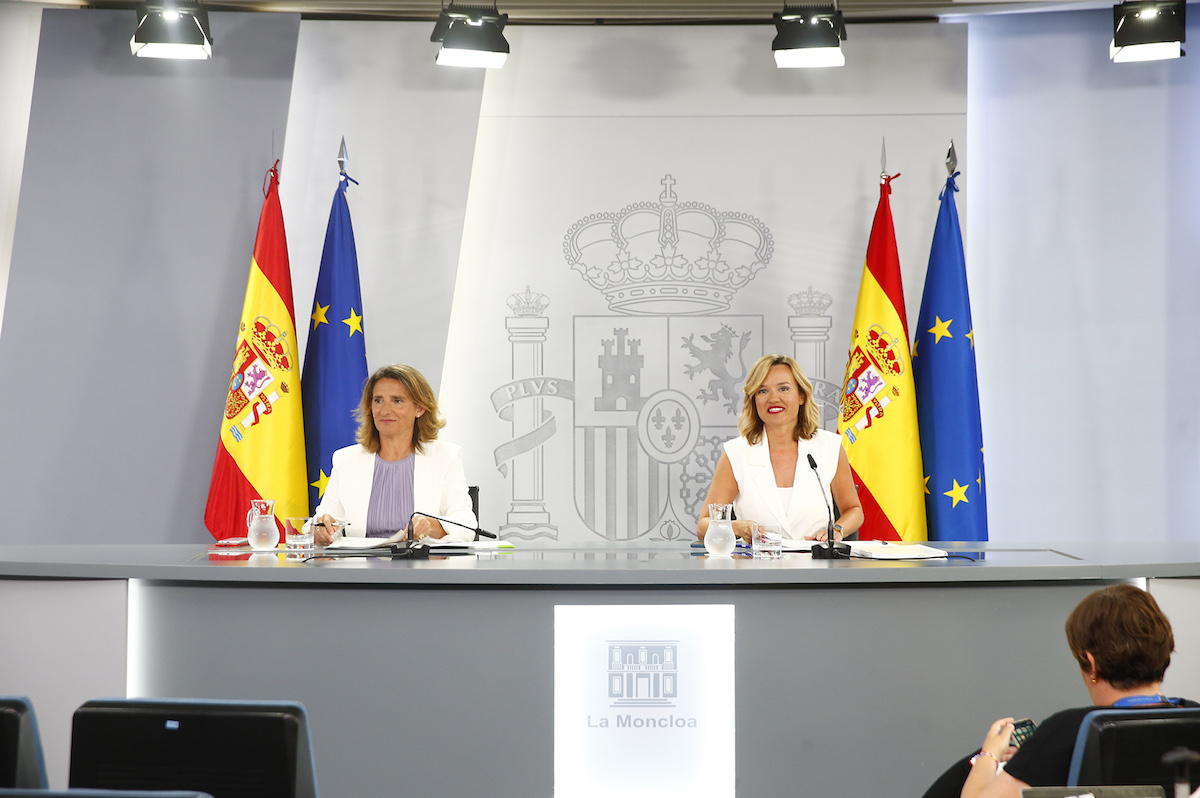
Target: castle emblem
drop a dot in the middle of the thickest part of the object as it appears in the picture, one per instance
(620, 373)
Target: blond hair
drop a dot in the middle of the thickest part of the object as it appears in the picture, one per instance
(808, 420)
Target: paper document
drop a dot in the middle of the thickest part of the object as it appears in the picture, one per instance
(470, 545)
(797, 545)
(365, 543)
(882, 550)
(433, 543)
(874, 549)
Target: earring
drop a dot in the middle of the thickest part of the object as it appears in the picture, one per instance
(1093, 680)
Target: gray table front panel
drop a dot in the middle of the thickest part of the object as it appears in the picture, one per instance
(449, 691)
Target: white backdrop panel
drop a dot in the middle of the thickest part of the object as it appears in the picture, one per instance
(410, 131)
(20, 26)
(1082, 254)
(590, 122)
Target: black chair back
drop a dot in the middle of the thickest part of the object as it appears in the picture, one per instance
(21, 762)
(229, 749)
(101, 794)
(1125, 746)
(1141, 791)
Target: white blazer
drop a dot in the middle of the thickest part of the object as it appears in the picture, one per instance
(758, 497)
(439, 488)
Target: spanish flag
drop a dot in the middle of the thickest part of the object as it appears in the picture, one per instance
(878, 419)
(260, 454)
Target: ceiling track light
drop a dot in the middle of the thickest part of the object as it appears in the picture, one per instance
(809, 36)
(1147, 30)
(471, 36)
(167, 30)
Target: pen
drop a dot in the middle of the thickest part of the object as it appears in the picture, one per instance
(341, 524)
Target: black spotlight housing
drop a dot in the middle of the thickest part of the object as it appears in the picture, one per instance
(172, 31)
(809, 36)
(1148, 30)
(471, 36)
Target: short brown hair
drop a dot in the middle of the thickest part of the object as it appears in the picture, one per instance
(1126, 633)
(808, 421)
(427, 425)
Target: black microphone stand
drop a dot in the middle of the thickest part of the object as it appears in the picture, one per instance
(474, 529)
(413, 550)
(831, 549)
(409, 549)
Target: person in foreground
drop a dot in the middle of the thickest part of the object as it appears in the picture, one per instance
(398, 467)
(1123, 644)
(765, 472)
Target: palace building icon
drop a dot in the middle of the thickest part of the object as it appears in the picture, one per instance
(643, 673)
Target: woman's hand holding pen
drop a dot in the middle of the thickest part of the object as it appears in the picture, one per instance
(325, 528)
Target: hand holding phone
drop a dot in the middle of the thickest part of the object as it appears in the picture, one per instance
(1023, 729)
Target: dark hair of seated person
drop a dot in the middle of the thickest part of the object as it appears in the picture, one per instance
(1125, 632)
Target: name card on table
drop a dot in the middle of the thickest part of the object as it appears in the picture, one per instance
(644, 701)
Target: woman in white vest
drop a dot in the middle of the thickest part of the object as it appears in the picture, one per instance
(767, 473)
(398, 468)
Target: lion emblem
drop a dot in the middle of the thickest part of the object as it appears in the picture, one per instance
(716, 359)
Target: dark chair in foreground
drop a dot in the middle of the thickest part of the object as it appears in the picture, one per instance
(1126, 746)
(21, 761)
(101, 794)
(1142, 791)
(228, 749)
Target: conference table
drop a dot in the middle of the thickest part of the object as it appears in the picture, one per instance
(437, 677)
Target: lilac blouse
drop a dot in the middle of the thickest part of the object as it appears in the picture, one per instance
(391, 503)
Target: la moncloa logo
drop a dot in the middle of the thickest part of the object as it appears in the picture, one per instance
(643, 673)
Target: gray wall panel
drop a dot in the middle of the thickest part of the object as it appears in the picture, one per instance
(138, 209)
(64, 646)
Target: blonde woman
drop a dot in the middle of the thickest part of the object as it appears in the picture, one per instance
(398, 467)
(766, 473)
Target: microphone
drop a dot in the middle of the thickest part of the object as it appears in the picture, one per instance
(830, 549)
(474, 529)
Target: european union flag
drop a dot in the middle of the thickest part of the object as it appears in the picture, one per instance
(335, 362)
(948, 390)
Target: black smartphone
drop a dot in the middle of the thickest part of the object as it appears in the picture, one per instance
(1023, 729)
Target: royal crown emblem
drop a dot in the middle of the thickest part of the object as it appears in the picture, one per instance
(262, 351)
(670, 257)
(528, 303)
(809, 302)
(271, 343)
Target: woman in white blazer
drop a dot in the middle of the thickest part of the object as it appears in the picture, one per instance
(766, 472)
(397, 468)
